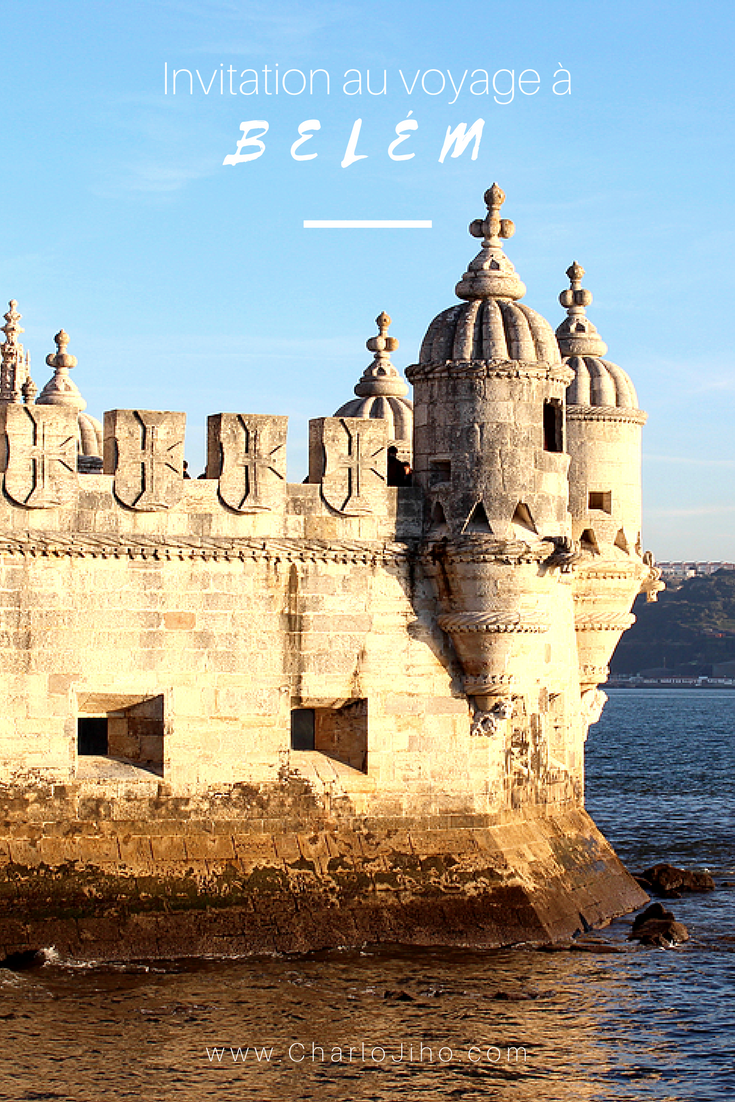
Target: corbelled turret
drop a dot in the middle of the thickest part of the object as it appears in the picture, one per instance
(489, 454)
(488, 403)
(604, 440)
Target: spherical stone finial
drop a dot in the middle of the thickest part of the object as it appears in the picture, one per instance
(491, 274)
(60, 390)
(577, 336)
(493, 227)
(61, 357)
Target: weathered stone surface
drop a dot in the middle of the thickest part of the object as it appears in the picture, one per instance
(144, 451)
(348, 456)
(40, 458)
(664, 879)
(492, 891)
(247, 453)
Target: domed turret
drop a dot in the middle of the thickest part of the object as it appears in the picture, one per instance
(61, 390)
(381, 392)
(489, 455)
(489, 402)
(604, 441)
(603, 431)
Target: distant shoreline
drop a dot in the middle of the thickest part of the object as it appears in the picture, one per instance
(666, 685)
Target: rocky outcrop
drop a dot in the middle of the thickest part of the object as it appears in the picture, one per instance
(657, 926)
(670, 881)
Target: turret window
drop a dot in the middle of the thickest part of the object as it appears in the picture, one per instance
(553, 426)
(440, 470)
(600, 499)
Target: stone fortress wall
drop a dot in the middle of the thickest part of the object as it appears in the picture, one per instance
(325, 712)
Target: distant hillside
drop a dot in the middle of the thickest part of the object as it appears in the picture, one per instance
(688, 630)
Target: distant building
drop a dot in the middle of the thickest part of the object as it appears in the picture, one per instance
(678, 572)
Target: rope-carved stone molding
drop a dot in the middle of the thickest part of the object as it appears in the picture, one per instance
(593, 673)
(201, 549)
(625, 414)
(623, 573)
(489, 683)
(459, 623)
(483, 549)
(499, 369)
(604, 621)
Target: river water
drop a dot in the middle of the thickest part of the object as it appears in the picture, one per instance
(620, 1022)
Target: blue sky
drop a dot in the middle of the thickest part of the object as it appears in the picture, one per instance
(189, 284)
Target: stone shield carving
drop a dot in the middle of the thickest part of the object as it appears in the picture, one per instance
(144, 450)
(41, 455)
(348, 455)
(247, 452)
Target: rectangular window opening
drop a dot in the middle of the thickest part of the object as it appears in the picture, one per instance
(122, 727)
(92, 735)
(600, 499)
(302, 729)
(440, 471)
(338, 732)
(553, 425)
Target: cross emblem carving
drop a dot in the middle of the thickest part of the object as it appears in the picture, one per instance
(250, 451)
(41, 463)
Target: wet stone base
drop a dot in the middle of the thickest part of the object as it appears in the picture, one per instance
(535, 881)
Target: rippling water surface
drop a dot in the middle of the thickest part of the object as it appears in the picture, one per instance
(617, 1023)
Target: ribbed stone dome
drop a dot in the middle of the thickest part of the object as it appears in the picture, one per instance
(489, 329)
(398, 412)
(381, 390)
(599, 382)
(596, 382)
(89, 435)
(490, 324)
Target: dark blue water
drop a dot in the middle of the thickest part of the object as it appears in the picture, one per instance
(618, 1023)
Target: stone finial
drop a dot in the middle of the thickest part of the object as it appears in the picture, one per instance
(29, 390)
(13, 369)
(577, 336)
(11, 329)
(60, 390)
(381, 391)
(493, 227)
(380, 378)
(491, 274)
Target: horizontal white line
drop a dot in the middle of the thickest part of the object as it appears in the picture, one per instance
(366, 224)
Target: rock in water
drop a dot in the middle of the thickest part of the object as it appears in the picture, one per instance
(657, 926)
(664, 879)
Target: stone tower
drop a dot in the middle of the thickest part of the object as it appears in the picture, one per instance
(269, 716)
(604, 441)
(489, 456)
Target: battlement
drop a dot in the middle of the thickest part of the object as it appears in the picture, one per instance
(244, 494)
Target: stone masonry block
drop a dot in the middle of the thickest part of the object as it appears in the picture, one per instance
(144, 450)
(348, 456)
(247, 453)
(39, 457)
